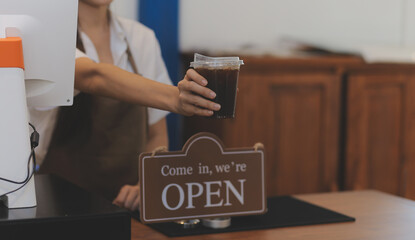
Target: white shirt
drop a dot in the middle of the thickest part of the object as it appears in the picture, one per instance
(147, 54)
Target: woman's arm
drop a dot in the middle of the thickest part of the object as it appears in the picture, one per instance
(189, 98)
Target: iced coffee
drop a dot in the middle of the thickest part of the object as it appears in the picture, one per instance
(222, 76)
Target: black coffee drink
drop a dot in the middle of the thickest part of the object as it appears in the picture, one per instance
(224, 82)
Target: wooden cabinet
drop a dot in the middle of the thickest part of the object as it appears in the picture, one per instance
(296, 117)
(327, 123)
(381, 132)
(294, 112)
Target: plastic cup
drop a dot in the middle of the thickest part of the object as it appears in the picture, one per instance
(222, 75)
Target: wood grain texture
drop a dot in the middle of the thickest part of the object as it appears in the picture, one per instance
(378, 216)
(300, 128)
(379, 132)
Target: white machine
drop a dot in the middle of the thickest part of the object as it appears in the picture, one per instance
(47, 29)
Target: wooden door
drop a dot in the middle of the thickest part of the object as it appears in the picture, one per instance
(380, 133)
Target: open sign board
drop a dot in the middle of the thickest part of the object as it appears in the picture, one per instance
(204, 180)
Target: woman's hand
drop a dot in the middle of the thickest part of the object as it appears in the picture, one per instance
(193, 95)
(128, 197)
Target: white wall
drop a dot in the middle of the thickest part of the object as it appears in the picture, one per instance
(125, 8)
(342, 24)
(409, 23)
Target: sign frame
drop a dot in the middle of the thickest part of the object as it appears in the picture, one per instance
(144, 157)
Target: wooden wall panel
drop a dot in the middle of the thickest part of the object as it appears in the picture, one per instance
(378, 130)
(302, 132)
(409, 144)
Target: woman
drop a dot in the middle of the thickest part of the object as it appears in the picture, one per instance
(96, 143)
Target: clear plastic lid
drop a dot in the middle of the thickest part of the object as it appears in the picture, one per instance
(205, 61)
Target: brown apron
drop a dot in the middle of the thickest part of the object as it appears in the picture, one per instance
(97, 141)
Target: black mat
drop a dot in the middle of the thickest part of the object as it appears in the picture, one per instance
(283, 211)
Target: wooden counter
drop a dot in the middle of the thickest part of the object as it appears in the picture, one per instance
(378, 216)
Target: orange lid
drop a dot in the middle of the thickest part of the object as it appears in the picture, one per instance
(11, 53)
